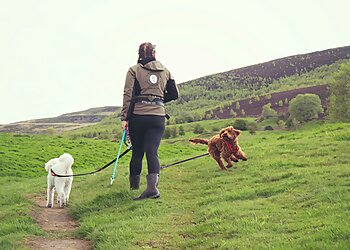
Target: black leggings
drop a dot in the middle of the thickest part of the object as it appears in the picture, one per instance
(145, 132)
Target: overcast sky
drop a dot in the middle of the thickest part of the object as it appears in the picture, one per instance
(70, 55)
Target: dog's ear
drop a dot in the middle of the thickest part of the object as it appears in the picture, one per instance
(221, 132)
(238, 132)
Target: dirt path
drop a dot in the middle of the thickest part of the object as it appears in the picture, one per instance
(59, 226)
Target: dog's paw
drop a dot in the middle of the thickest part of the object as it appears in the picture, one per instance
(49, 205)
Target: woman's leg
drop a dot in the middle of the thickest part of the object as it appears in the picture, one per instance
(152, 138)
(154, 129)
(137, 136)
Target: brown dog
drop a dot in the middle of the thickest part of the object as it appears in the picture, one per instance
(225, 145)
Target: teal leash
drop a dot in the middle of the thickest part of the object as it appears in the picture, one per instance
(118, 156)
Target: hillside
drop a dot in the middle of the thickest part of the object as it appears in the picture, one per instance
(218, 90)
(69, 121)
(279, 102)
(214, 96)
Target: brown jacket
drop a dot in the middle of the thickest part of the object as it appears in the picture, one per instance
(152, 81)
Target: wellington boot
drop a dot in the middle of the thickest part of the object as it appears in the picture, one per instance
(134, 182)
(151, 190)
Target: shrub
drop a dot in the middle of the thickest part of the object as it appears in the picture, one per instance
(167, 133)
(268, 112)
(173, 132)
(181, 130)
(268, 128)
(198, 129)
(252, 128)
(281, 124)
(240, 124)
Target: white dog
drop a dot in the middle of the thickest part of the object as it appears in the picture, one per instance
(62, 185)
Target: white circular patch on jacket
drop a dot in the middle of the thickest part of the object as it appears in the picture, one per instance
(153, 79)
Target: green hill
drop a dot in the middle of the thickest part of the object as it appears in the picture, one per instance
(213, 96)
(69, 121)
(220, 90)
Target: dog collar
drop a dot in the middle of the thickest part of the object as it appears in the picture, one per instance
(230, 147)
(53, 173)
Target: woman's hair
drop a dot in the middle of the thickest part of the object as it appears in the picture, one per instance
(146, 51)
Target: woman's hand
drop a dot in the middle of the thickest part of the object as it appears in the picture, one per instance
(124, 125)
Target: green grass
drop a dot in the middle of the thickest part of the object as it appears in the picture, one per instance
(292, 193)
(25, 155)
(14, 213)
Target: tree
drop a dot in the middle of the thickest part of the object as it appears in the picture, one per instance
(268, 112)
(233, 113)
(339, 101)
(305, 107)
(238, 106)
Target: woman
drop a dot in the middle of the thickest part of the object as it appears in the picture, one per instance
(148, 86)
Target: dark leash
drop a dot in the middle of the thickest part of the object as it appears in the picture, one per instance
(124, 153)
(120, 156)
(93, 172)
(188, 159)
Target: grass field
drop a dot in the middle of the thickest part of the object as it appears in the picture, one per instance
(292, 193)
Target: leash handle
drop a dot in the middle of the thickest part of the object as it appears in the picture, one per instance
(116, 161)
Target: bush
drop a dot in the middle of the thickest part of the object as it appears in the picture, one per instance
(268, 128)
(281, 124)
(198, 129)
(167, 133)
(268, 112)
(252, 128)
(173, 132)
(181, 130)
(240, 124)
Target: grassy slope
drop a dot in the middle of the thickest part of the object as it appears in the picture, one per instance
(292, 193)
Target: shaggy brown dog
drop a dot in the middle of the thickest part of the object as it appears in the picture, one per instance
(225, 145)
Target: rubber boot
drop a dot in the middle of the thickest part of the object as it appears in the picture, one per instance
(151, 190)
(134, 182)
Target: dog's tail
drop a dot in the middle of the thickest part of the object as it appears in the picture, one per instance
(199, 141)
